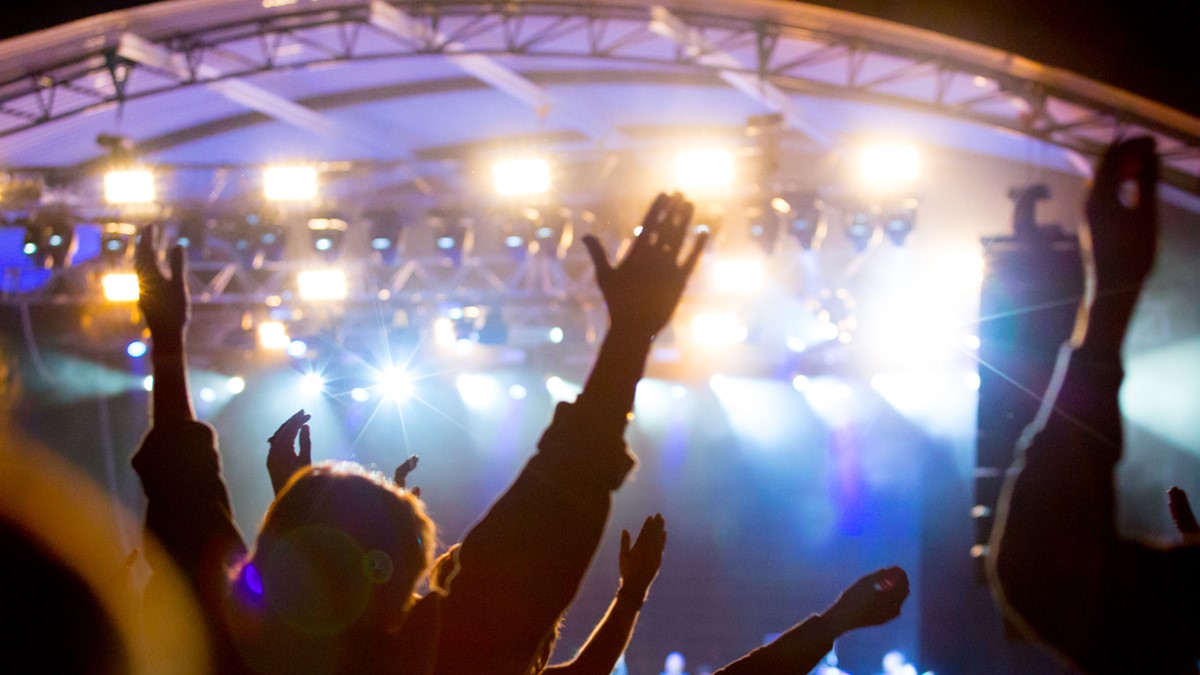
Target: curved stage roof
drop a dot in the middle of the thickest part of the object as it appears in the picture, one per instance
(225, 83)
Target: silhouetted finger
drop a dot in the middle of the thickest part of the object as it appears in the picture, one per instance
(1181, 512)
(599, 258)
(693, 256)
(178, 262)
(144, 260)
(306, 445)
(624, 542)
(654, 218)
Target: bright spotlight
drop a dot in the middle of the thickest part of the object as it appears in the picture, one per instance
(312, 384)
(678, 392)
(297, 348)
(718, 328)
(322, 285)
(700, 169)
(884, 166)
(739, 276)
(359, 395)
(122, 287)
(136, 349)
(395, 383)
(561, 390)
(556, 335)
(517, 393)
(148, 383)
(800, 383)
(131, 186)
(290, 183)
(272, 335)
(521, 177)
(235, 385)
(208, 395)
(971, 381)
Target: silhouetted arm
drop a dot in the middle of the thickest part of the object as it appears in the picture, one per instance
(520, 567)
(872, 600)
(639, 566)
(164, 305)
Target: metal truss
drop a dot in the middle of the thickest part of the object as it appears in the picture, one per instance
(794, 49)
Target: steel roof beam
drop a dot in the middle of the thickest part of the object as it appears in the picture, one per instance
(732, 71)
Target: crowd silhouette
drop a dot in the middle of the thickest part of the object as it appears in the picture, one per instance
(343, 575)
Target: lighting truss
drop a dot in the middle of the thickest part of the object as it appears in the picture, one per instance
(789, 48)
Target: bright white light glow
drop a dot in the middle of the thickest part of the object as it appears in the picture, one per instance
(707, 168)
(971, 381)
(290, 183)
(678, 392)
(136, 349)
(739, 276)
(359, 395)
(561, 390)
(800, 383)
(796, 344)
(888, 165)
(133, 186)
(395, 383)
(556, 335)
(296, 348)
(236, 385)
(322, 284)
(443, 332)
(208, 395)
(479, 393)
(718, 328)
(521, 177)
(120, 287)
(148, 382)
(312, 384)
(517, 392)
(273, 335)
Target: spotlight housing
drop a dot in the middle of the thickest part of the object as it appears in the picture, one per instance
(116, 242)
(290, 183)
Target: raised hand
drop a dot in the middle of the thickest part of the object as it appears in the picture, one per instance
(872, 600)
(643, 290)
(640, 561)
(400, 477)
(163, 300)
(1182, 514)
(1124, 222)
(282, 459)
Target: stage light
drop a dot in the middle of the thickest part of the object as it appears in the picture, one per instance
(802, 212)
(192, 235)
(556, 335)
(272, 335)
(885, 166)
(320, 285)
(129, 186)
(971, 342)
(50, 237)
(704, 169)
(312, 384)
(678, 392)
(744, 275)
(235, 385)
(148, 383)
(290, 183)
(512, 177)
(859, 225)
(395, 383)
(796, 344)
(116, 241)
(451, 235)
(136, 349)
(517, 393)
(207, 394)
(360, 395)
(561, 390)
(899, 222)
(327, 235)
(297, 348)
(384, 234)
(764, 225)
(120, 287)
(800, 383)
(971, 381)
(718, 328)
